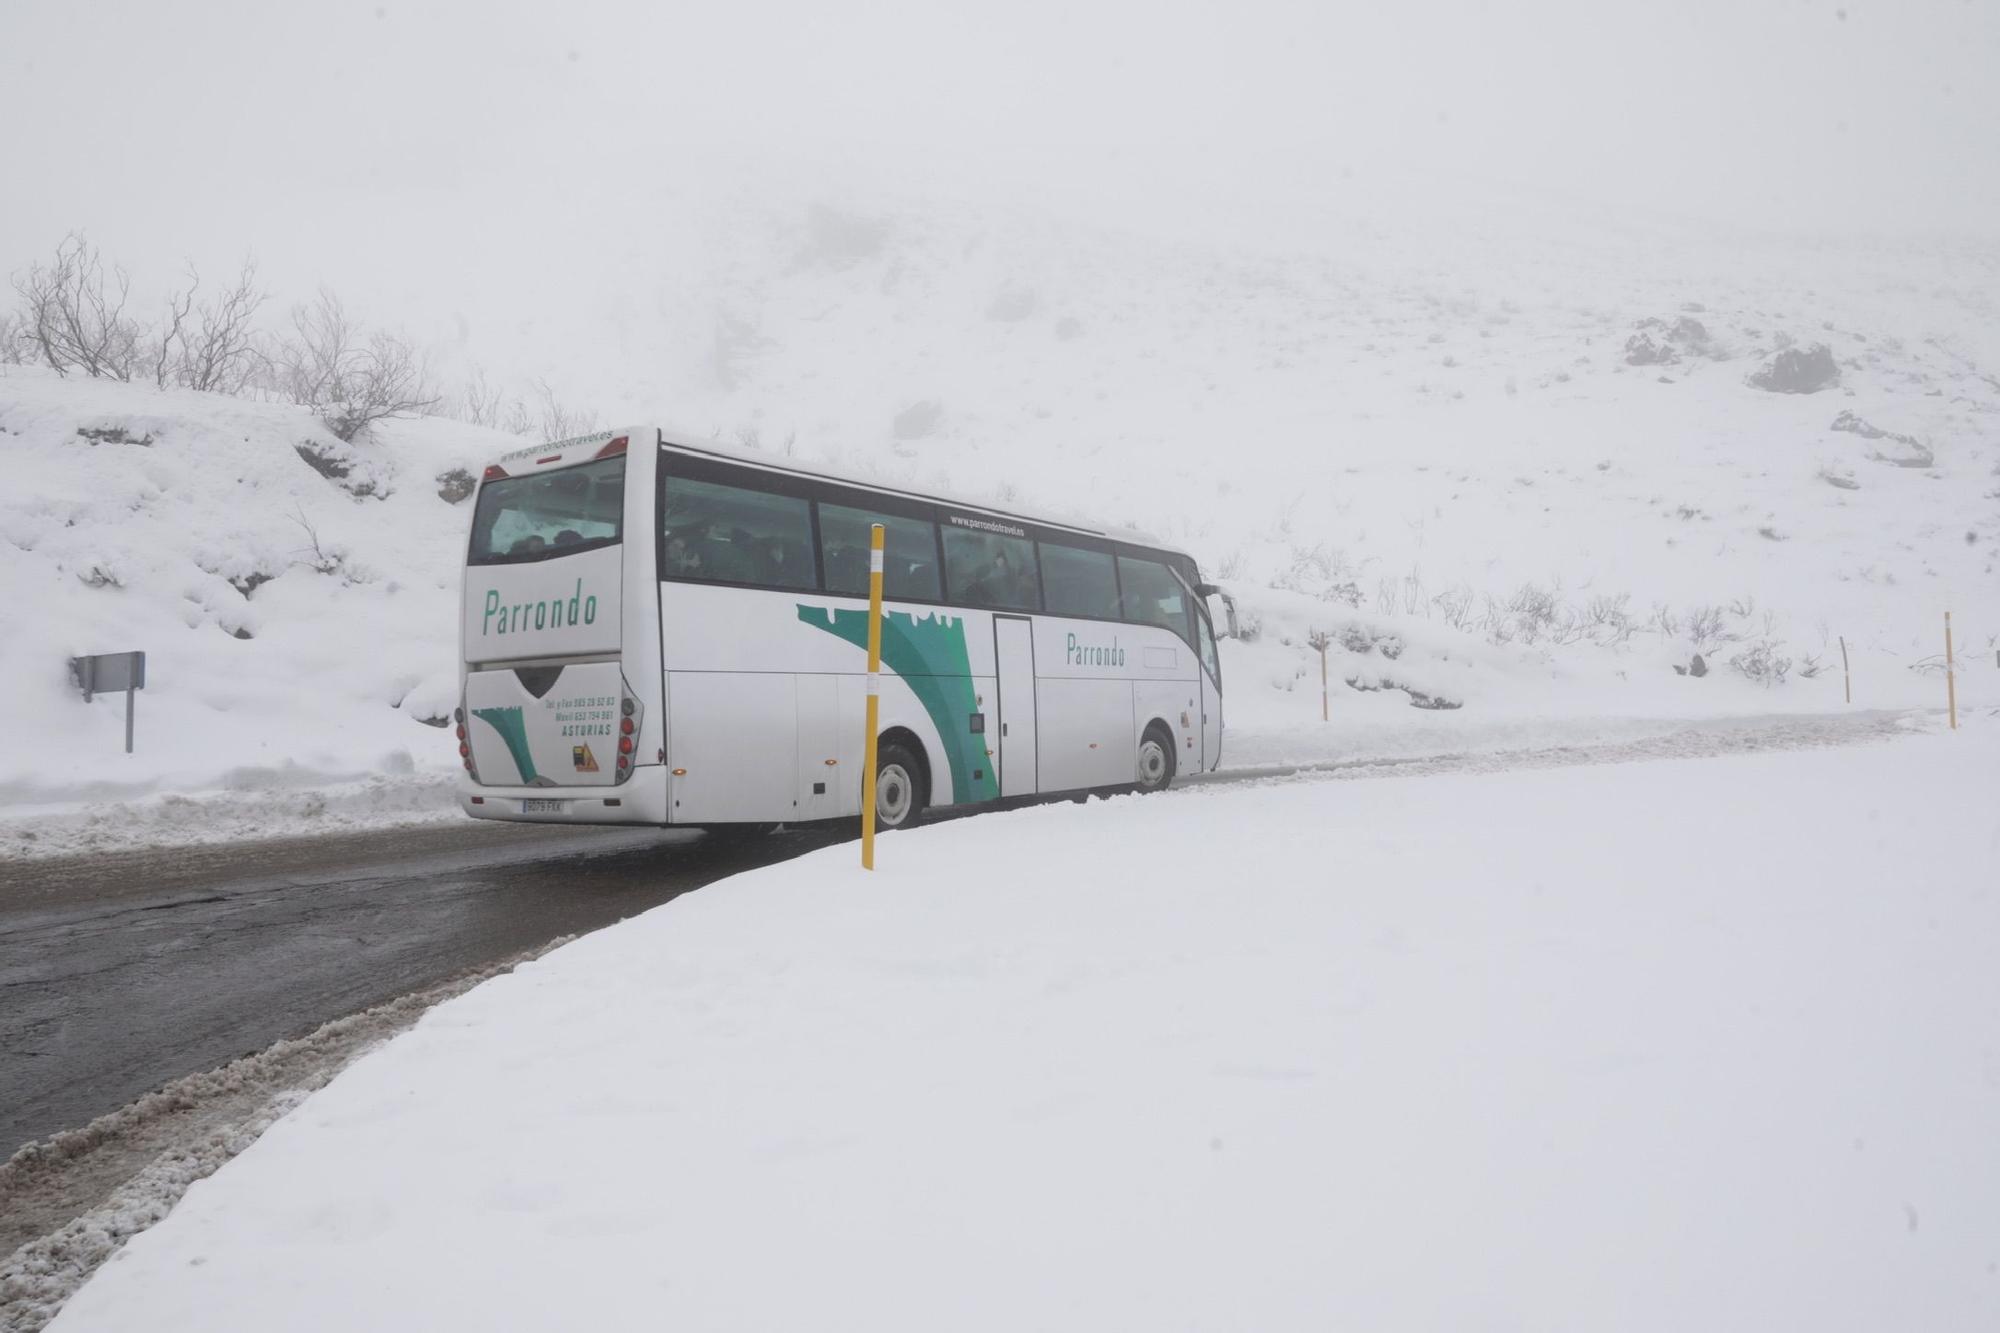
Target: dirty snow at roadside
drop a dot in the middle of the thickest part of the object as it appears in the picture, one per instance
(1650, 1046)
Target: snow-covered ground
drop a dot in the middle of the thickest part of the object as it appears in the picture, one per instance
(1422, 435)
(1648, 1046)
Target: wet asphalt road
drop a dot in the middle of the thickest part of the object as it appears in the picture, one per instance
(121, 972)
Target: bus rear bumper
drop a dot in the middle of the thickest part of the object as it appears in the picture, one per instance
(641, 799)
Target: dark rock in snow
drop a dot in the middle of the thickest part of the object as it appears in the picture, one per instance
(1854, 425)
(1659, 343)
(1798, 370)
(113, 435)
(1698, 667)
(456, 485)
(338, 470)
(1641, 350)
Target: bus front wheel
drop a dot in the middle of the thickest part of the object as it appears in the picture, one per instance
(899, 788)
(1156, 760)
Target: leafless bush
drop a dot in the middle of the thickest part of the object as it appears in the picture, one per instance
(218, 346)
(481, 402)
(1608, 620)
(350, 380)
(1454, 606)
(1763, 663)
(1317, 571)
(319, 558)
(1534, 611)
(74, 318)
(1415, 599)
(15, 349)
(1704, 627)
(556, 420)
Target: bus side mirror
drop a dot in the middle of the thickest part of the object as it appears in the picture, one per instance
(1228, 611)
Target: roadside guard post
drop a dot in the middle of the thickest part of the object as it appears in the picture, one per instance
(1950, 675)
(874, 697)
(108, 673)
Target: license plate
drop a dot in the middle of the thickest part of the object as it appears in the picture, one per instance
(533, 806)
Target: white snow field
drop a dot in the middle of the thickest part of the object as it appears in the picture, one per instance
(1421, 432)
(1664, 1045)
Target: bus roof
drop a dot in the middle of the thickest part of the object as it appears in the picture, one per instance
(750, 458)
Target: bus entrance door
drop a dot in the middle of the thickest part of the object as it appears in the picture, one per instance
(1014, 657)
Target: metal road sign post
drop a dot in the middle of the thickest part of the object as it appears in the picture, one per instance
(108, 673)
(875, 534)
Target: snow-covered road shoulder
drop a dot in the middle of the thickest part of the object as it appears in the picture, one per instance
(1640, 1046)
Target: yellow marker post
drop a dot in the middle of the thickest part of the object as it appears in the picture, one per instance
(1950, 674)
(875, 534)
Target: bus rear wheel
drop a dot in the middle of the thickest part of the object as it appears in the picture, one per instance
(1156, 760)
(900, 794)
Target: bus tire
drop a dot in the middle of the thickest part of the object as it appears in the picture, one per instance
(1156, 759)
(901, 788)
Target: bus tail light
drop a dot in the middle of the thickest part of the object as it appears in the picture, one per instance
(493, 472)
(614, 448)
(628, 707)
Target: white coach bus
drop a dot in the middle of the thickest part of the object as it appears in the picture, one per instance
(656, 633)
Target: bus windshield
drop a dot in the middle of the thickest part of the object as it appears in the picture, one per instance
(548, 514)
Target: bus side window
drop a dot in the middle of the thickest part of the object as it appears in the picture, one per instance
(730, 534)
(1079, 582)
(909, 556)
(987, 569)
(1153, 596)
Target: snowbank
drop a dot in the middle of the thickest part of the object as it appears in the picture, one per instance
(1651, 1046)
(299, 626)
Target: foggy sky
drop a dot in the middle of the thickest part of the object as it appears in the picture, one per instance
(320, 134)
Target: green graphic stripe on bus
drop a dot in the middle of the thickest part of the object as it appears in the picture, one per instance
(930, 656)
(513, 729)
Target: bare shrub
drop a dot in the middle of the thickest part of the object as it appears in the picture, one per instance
(219, 350)
(1705, 627)
(75, 318)
(481, 402)
(557, 420)
(350, 380)
(1763, 663)
(1534, 611)
(1322, 572)
(1415, 599)
(15, 349)
(1454, 606)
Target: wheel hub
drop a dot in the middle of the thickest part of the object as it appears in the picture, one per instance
(892, 795)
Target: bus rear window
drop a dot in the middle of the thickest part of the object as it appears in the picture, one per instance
(545, 515)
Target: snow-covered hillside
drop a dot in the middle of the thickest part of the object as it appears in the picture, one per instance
(1452, 407)
(1517, 471)
(298, 625)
